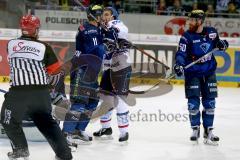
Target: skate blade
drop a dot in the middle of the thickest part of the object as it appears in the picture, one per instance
(104, 138)
(195, 142)
(209, 142)
(73, 149)
(123, 143)
(80, 142)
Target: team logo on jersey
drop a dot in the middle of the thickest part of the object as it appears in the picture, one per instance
(26, 49)
(91, 31)
(21, 47)
(196, 41)
(205, 47)
(212, 35)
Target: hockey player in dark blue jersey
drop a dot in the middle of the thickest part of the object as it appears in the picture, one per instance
(200, 79)
(86, 65)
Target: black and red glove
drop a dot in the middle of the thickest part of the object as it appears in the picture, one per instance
(222, 45)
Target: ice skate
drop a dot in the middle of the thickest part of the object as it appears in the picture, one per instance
(104, 134)
(209, 137)
(195, 135)
(18, 154)
(123, 138)
(71, 141)
(81, 137)
(57, 158)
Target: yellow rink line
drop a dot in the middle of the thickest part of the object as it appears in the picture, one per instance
(150, 81)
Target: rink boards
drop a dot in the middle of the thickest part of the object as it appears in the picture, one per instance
(162, 47)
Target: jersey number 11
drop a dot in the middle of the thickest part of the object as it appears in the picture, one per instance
(95, 41)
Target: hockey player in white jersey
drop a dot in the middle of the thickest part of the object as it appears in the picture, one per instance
(117, 71)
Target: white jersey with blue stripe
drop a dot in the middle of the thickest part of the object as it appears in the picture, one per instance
(119, 58)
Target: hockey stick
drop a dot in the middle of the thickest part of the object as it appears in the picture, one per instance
(173, 75)
(3, 91)
(201, 58)
(147, 54)
(155, 85)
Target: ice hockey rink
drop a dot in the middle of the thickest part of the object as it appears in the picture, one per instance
(154, 138)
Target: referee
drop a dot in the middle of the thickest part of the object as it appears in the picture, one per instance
(31, 63)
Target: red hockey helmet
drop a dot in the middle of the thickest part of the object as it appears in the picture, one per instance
(29, 24)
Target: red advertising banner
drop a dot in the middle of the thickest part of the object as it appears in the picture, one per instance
(4, 67)
(63, 50)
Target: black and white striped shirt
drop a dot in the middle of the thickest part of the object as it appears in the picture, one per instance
(28, 59)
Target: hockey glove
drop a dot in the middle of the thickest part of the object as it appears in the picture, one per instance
(222, 45)
(124, 44)
(112, 34)
(179, 70)
(110, 45)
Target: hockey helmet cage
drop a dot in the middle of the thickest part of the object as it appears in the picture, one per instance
(29, 24)
(199, 14)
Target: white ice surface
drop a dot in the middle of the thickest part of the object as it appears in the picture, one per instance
(158, 140)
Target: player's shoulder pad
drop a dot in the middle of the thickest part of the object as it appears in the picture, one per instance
(211, 32)
(42, 42)
(81, 28)
(210, 29)
(113, 23)
(13, 40)
(186, 37)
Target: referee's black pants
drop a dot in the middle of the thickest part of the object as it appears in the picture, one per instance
(35, 101)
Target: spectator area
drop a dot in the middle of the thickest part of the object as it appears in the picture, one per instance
(13, 9)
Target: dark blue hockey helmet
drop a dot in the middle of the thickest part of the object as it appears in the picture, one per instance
(114, 12)
(198, 14)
